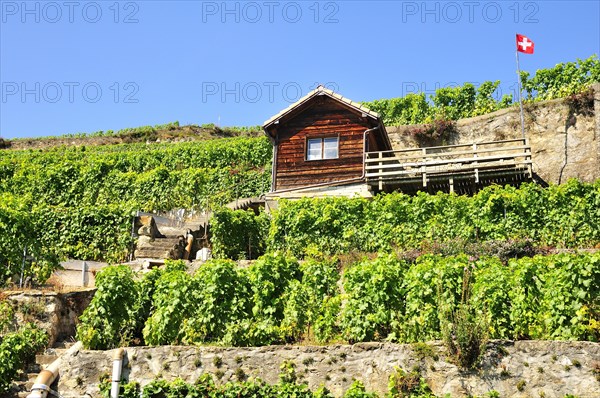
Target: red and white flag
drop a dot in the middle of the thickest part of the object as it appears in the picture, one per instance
(524, 45)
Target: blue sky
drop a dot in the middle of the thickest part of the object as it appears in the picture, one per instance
(82, 66)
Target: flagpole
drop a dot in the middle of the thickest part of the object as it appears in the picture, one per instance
(520, 97)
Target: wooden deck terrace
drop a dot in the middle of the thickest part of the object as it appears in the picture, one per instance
(446, 167)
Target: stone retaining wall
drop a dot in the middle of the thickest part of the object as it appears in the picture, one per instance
(514, 369)
(57, 313)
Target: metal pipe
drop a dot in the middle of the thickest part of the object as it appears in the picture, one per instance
(116, 373)
(365, 149)
(46, 377)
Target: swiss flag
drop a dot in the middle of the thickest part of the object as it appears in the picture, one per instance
(524, 45)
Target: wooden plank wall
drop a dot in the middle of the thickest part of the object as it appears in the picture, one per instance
(324, 117)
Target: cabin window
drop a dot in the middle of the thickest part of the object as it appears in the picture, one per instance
(322, 148)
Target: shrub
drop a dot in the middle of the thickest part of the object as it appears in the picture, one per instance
(239, 233)
(514, 220)
(563, 80)
(277, 300)
(357, 390)
(18, 232)
(374, 299)
(110, 319)
(432, 283)
(403, 384)
(173, 304)
(221, 297)
(465, 336)
(439, 132)
(463, 329)
(16, 349)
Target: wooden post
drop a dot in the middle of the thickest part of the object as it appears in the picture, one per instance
(380, 171)
(475, 163)
(23, 267)
(528, 157)
(424, 168)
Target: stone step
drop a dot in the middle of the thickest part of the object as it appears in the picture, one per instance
(62, 345)
(45, 359)
(31, 377)
(148, 252)
(153, 253)
(26, 381)
(170, 247)
(181, 229)
(160, 243)
(173, 236)
(168, 238)
(34, 367)
(156, 248)
(42, 361)
(56, 351)
(27, 377)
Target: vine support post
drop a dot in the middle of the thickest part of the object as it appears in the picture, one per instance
(132, 245)
(249, 247)
(237, 194)
(23, 267)
(83, 273)
(206, 218)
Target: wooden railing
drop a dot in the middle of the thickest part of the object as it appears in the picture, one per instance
(469, 160)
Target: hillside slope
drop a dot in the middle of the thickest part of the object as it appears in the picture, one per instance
(171, 132)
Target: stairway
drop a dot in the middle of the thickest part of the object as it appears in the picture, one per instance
(33, 369)
(246, 203)
(163, 236)
(170, 247)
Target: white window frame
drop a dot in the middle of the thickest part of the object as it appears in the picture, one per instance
(320, 152)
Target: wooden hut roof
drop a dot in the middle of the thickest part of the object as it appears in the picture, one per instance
(321, 90)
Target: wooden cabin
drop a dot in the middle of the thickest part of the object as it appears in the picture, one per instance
(320, 141)
(327, 145)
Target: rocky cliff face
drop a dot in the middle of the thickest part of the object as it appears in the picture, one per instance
(514, 369)
(565, 143)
